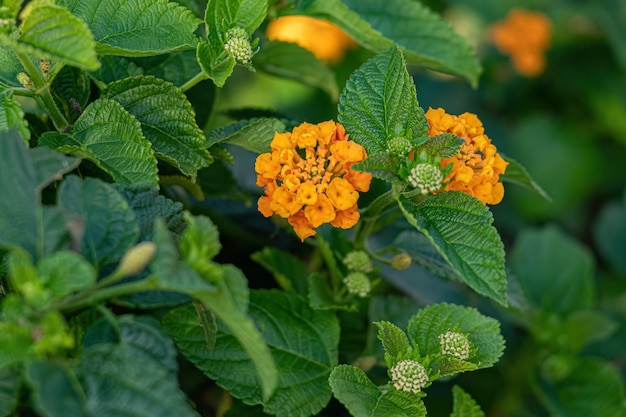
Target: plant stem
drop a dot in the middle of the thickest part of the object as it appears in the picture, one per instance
(372, 213)
(201, 76)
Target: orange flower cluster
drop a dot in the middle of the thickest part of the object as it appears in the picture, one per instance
(325, 40)
(308, 180)
(477, 167)
(524, 36)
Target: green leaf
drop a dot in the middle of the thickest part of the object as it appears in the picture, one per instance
(167, 120)
(110, 226)
(483, 332)
(110, 137)
(71, 89)
(609, 234)
(136, 27)
(425, 38)
(463, 405)
(15, 343)
(64, 272)
(115, 68)
(554, 271)
(254, 134)
(593, 388)
(460, 227)
(362, 398)
(302, 341)
(200, 241)
(393, 338)
(51, 31)
(288, 60)
(288, 271)
(50, 165)
(516, 174)
(108, 380)
(584, 327)
(320, 295)
(10, 381)
(221, 15)
(381, 165)
(441, 146)
(10, 66)
(379, 102)
(424, 254)
(215, 62)
(11, 115)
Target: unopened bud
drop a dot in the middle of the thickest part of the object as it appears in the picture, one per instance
(455, 344)
(399, 145)
(25, 80)
(238, 45)
(358, 283)
(137, 258)
(401, 261)
(358, 260)
(44, 66)
(409, 375)
(426, 177)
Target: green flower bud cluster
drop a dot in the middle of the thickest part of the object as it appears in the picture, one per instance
(425, 177)
(238, 45)
(25, 80)
(409, 375)
(358, 283)
(358, 260)
(455, 344)
(399, 145)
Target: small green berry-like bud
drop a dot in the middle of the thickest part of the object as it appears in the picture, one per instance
(455, 344)
(238, 45)
(25, 80)
(136, 258)
(358, 283)
(426, 177)
(236, 32)
(358, 260)
(401, 261)
(399, 145)
(44, 66)
(409, 375)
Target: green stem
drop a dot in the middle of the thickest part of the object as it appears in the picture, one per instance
(371, 215)
(201, 76)
(44, 97)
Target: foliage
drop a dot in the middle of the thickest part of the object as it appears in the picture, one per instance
(138, 277)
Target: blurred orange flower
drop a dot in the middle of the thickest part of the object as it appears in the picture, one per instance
(325, 40)
(477, 167)
(524, 36)
(307, 177)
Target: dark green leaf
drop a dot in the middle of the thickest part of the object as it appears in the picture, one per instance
(609, 233)
(393, 338)
(254, 134)
(50, 165)
(442, 146)
(460, 227)
(463, 405)
(379, 102)
(110, 226)
(167, 120)
(11, 115)
(516, 174)
(10, 381)
(424, 254)
(136, 27)
(362, 398)
(10, 66)
(115, 68)
(71, 88)
(221, 15)
(288, 271)
(64, 272)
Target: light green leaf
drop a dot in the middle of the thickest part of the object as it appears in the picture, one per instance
(425, 38)
(394, 340)
(200, 241)
(460, 227)
(382, 165)
(516, 174)
(379, 102)
(362, 398)
(10, 66)
(64, 272)
(215, 62)
(483, 332)
(10, 381)
(51, 31)
(288, 60)
(136, 27)
(288, 271)
(254, 134)
(593, 388)
(167, 120)
(303, 343)
(110, 226)
(110, 137)
(221, 15)
(554, 271)
(463, 405)
(15, 343)
(108, 380)
(11, 115)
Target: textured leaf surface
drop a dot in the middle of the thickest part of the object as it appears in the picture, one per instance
(463, 405)
(71, 90)
(11, 115)
(215, 62)
(167, 120)
(64, 272)
(10, 381)
(222, 15)
(379, 102)
(554, 271)
(136, 27)
(288, 270)
(10, 66)
(302, 341)
(114, 380)
(426, 38)
(362, 398)
(53, 32)
(483, 332)
(461, 229)
(517, 174)
(110, 226)
(289, 60)
(443, 146)
(109, 136)
(393, 338)
(381, 165)
(50, 165)
(254, 134)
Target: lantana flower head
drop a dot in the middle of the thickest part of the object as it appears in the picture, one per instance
(477, 167)
(409, 375)
(308, 180)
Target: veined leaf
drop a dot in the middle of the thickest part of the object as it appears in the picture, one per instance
(110, 137)
(393, 338)
(380, 102)
(10, 66)
(11, 115)
(167, 120)
(221, 15)
(463, 405)
(362, 398)
(136, 27)
(64, 272)
(254, 134)
(71, 90)
(289, 60)
(483, 332)
(424, 254)
(51, 31)
(443, 146)
(382, 165)
(461, 229)
(425, 38)
(215, 62)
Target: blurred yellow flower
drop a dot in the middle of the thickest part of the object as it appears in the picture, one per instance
(477, 167)
(325, 40)
(524, 36)
(307, 177)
